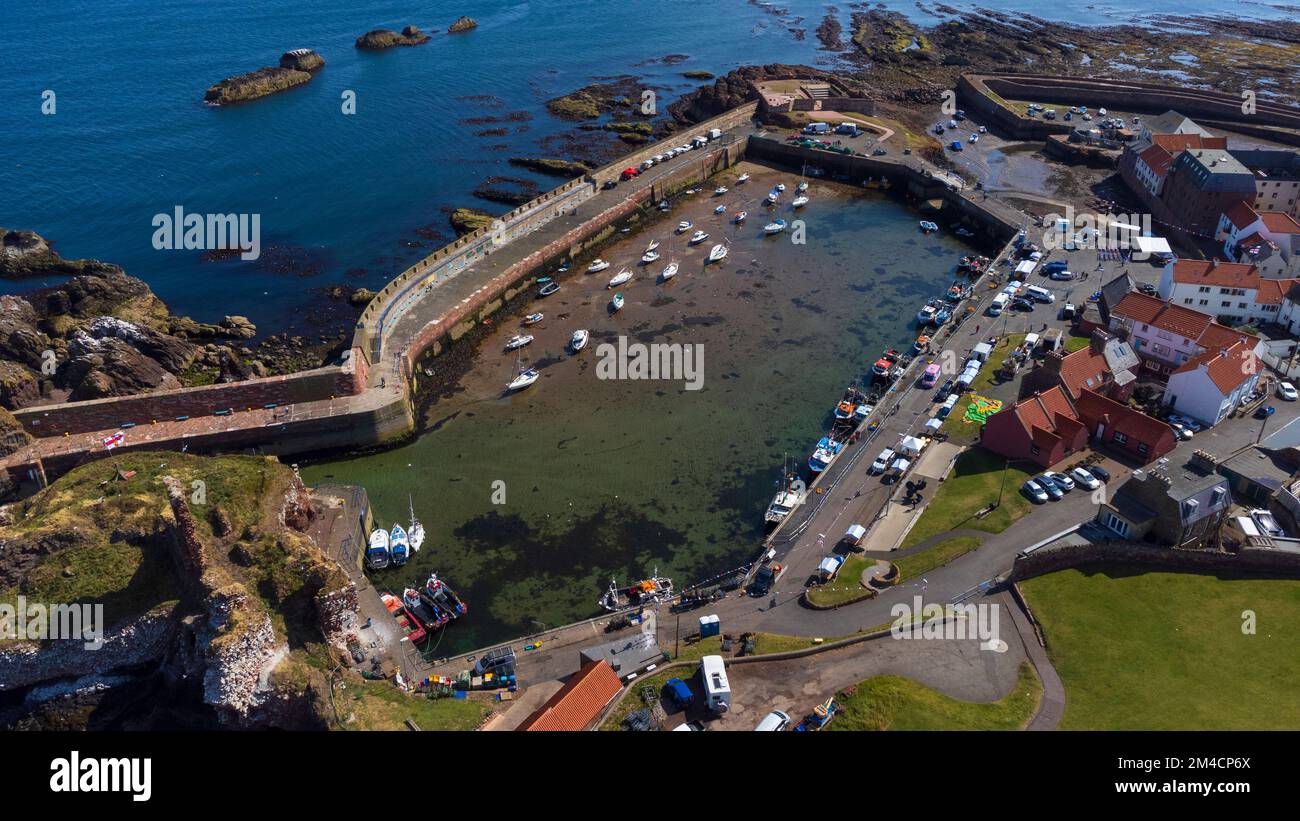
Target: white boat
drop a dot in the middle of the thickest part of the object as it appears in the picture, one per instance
(398, 545)
(684, 226)
(799, 202)
(518, 341)
(926, 315)
(525, 378)
(717, 252)
(803, 186)
(928, 226)
(720, 190)
(698, 236)
(740, 216)
(377, 555)
(743, 177)
(774, 227)
(780, 186)
(772, 196)
(415, 535)
(579, 340)
(597, 266)
(533, 319)
(721, 209)
(617, 302)
(654, 243)
(650, 256)
(670, 271)
(621, 277)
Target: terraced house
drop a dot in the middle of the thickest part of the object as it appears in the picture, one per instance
(1268, 240)
(1235, 293)
(1166, 336)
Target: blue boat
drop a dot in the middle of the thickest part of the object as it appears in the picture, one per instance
(397, 545)
(943, 315)
(827, 450)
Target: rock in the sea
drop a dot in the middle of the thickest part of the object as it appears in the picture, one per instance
(385, 38)
(468, 220)
(361, 297)
(295, 69)
(238, 327)
(463, 24)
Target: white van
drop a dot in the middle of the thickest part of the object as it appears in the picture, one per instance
(1039, 294)
(999, 304)
(773, 722)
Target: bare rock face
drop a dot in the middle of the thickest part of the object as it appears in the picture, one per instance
(110, 367)
(385, 38)
(295, 69)
(462, 24)
(302, 59)
(18, 388)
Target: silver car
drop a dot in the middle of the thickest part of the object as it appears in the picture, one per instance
(1035, 493)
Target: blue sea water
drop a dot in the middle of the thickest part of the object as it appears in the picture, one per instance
(132, 138)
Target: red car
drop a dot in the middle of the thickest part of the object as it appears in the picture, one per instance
(628, 173)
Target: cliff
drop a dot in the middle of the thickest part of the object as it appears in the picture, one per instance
(385, 38)
(295, 69)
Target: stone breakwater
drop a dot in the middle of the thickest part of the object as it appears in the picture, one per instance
(296, 68)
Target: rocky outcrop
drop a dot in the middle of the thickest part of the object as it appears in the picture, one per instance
(555, 168)
(591, 101)
(385, 38)
(469, 220)
(240, 650)
(462, 24)
(295, 69)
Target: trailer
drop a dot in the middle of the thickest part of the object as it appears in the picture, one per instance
(717, 690)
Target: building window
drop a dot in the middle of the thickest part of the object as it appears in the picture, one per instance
(1119, 438)
(1034, 449)
(1142, 448)
(1117, 524)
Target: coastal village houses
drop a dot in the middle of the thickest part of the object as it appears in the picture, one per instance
(1212, 385)
(1269, 240)
(1235, 293)
(1182, 508)
(1165, 336)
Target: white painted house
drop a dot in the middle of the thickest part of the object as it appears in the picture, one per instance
(1211, 386)
(1235, 293)
(1269, 240)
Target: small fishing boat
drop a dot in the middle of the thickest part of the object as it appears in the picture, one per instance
(792, 494)
(398, 545)
(773, 196)
(579, 340)
(742, 177)
(619, 278)
(415, 535)
(543, 280)
(597, 266)
(803, 186)
(649, 256)
(925, 316)
(827, 449)
(780, 186)
(442, 598)
(518, 341)
(549, 288)
(377, 555)
(957, 291)
(740, 216)
(717, 252)
(647, 591)
(526, 377)
(774, 227)
(799, 202)
(861, 412)
(684, 226)
(654, 245)
(942, 315)
(411, 627)
(720, 190)
(920, 344)
(562, 268)
(533, 319)
(928, 226)
(617, 302)
(670, 271)
(844, 410)
(964, 233)
(885, 363)
(721, 209)
(698, 237)
(663, 205)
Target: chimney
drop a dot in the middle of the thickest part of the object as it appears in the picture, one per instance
(1098, 340)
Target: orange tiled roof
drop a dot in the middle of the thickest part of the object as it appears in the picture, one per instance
(1241, 215)
(1213, 272)
(1173, 143)
(1120, 417)
(1272, 291)
(1149, 310)
(1157, 159)
(1227, 368)
(575, 705)
(1085, 368)
(1044, 414)
(1279, 222)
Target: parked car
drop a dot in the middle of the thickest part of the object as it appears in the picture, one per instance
(1287, 391)
(1190, 424)
(879, 152)
(1264, 411)
(680, 693)
(1086, 479)
(773, 722)
(882, 462)
(1054, 265)
(1181, 430)
(1062, 481)
(943, 391)
(1050, 488)
(1035, 493)
(1061, 276)
(1022, 304)
(609, 184)
(1147, 288)
(1100, 472)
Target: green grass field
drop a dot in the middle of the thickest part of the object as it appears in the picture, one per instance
(937, 556)
(897, 703)
(847, 586)
(1166, 651)
(973, 484)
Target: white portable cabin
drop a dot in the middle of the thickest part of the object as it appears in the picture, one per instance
(982, 351)
(1026, 268)
(855, 534)
(717, 691)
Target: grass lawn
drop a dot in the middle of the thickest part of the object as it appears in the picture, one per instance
(958, 429)
(942, 553)
(897, 703)
(378, 705)
(847, 585)
(973, 484)
(1076, 343)
(1165, 651)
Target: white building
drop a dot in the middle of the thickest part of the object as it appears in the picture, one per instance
(1270, 240)
(1236, 293)
(1212, 385)
(1164, 335)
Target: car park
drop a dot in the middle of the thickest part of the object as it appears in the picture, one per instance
(1287, 391)
(1264, 411)
(1050, 488)
(1062, 481)
(773, 722)
(1085, 479)
(882, 461)
(1035, 492)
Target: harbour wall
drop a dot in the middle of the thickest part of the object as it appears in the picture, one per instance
(1262, 561)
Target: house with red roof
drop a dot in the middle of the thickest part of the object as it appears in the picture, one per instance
(1042, 428)
(581, 700)
(1124, 429)
(1108, 366)
(1213, 384)
(1165, 336)
(1269, 240)
(1236, 293)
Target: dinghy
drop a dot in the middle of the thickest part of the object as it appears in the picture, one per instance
(740, 217)
(684, 226)
(721, 209)
(549, 288)
(780, 186)
(518, 341)
(743, 177)
(720, 190)
(774, 227)
(698, 237)
(799, 202)
(617, 302)
(533, 319)
(650, 256)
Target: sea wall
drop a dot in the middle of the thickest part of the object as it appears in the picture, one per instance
(1248, 560)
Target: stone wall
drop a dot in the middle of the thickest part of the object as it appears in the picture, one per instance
(1248, 560)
